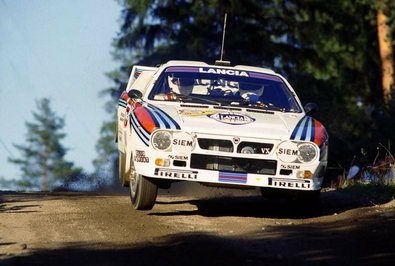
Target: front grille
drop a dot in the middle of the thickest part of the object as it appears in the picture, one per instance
(227, 146)
(258, 148)
(215, 145)
(224, 163)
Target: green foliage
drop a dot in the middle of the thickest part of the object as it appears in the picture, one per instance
(375, 192)
(106, 144)
(42, 157)
(6, 183)
(327, 49)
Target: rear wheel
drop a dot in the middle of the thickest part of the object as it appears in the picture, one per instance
(143, 192)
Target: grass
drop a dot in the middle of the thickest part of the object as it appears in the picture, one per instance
(375, 191)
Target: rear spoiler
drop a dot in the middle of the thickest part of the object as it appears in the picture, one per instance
(136, 71)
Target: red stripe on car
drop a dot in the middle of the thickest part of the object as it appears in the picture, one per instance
(144, 117)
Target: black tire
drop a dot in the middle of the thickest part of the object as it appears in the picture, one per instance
(123, 178)
(143, 192)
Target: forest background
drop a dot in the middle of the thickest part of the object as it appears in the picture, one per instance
(337, 54)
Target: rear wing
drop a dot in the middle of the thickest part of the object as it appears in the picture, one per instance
(136, 72)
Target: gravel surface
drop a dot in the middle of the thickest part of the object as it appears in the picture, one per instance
(201, 226)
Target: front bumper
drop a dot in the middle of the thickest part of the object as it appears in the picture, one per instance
(221, 162)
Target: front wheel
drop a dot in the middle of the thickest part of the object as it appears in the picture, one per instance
(123, 179)
(143, 192)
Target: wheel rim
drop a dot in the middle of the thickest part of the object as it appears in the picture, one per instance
(133, 179)
(134, 182)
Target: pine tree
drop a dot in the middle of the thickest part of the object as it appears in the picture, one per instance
(42, 162)
(328, 50)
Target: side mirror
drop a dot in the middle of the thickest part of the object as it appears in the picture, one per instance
(135, 94)
(311, 108)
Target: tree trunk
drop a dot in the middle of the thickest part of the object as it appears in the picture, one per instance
(386, 55)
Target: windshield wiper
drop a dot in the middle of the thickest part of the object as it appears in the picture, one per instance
(184, 97)
(271, 106)
(267, 106)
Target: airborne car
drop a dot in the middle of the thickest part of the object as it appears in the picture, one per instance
(238, 126)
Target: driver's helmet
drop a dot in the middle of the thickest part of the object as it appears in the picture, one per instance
(182, 86)
(246, 89)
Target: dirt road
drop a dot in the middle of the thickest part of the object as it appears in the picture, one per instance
(220, 228)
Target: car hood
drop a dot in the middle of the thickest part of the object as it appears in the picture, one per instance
(242, 123)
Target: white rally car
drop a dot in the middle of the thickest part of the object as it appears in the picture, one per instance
(218, 125)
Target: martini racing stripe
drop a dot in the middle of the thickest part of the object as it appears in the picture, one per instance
(264, 76)
(183, 69)
(321, 135)
(167, 120)
(150, 114)
(138, 72)
(140, 131)
(122, 103)
(161, 123)
(309, 129)
(146, 118)
(304, 130)
(232, 177)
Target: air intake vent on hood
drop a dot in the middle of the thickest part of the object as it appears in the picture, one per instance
(194, 106)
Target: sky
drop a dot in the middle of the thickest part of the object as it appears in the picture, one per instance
(61, 50)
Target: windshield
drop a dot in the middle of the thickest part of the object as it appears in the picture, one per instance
(224, 87)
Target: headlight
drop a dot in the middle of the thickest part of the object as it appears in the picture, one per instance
(161, 140)
(307, 152)
(297, 152)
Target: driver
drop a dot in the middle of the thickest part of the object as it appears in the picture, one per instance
(250, 92)
(183, 86)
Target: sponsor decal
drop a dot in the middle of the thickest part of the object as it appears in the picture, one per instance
(266, 150)
(124, 119)
(140, 157)
(231, 177)
(183, 142)
(179, 157)
(223, 71)
(289, 166)
(290, 152)
(231, 118)
(287, 152)
(182, 69)
(289, 183)
(179, 174)
(193, 113)
(236, 140)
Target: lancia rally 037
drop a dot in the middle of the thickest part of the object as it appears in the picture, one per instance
(237, 126)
